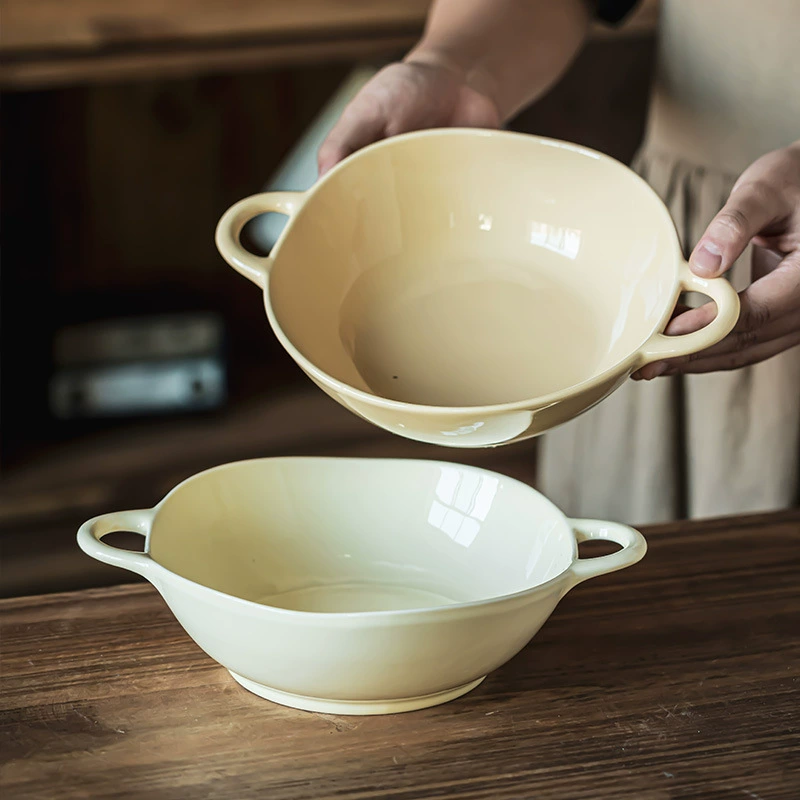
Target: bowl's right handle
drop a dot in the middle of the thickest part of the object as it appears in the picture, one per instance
(633, 549)
(91, 533)
(659, 346)
(229, 228)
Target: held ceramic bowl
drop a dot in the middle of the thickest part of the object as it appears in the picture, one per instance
(472, 288)
(359, 586)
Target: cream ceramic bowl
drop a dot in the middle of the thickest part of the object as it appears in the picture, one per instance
(359, 586)
(472, 288)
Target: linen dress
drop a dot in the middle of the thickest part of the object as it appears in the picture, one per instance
(727, 91)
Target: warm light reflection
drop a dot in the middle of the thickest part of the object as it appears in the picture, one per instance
(463, 502)
(564, 241)
(543, 544)
(464, 429)
(630, 288)
(485, 222)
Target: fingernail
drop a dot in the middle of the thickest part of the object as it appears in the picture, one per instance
(707, 258)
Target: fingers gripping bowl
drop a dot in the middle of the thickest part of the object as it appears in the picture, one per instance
(359, 586)
(472, 288)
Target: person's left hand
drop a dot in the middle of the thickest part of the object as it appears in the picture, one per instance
(763, 207)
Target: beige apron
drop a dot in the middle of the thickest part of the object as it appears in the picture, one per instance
(727, 91)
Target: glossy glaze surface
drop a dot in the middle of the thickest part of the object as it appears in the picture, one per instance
(472, 288)
(359, 586)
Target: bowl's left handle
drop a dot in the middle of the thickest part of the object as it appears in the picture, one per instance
(91, 533)
(229, 229)
(633, 549)
(660, 346)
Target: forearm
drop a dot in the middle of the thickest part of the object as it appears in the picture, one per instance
(513, 51)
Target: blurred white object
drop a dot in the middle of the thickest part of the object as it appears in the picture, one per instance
(298, 171)
(138, 389)
(139, 366)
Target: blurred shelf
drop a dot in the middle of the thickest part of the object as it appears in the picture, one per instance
(49, 43)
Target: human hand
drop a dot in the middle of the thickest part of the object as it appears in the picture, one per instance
(422, 92)
(763, 208)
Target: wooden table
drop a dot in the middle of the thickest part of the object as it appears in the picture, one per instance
(678, 678)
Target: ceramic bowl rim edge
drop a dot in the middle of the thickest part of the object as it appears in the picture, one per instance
(492, 409)
(344, 617)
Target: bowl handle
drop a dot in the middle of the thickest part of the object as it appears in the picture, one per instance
(633, 544)
(229, 228)
(659, 346)
(90, 533)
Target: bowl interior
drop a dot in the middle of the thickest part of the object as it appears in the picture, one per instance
(460, 268)
(335, 535)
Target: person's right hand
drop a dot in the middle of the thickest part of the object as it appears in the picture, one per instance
(404, 97)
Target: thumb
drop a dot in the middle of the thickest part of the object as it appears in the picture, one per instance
(749, 210)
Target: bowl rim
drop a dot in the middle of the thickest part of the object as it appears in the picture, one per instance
(376, 617)
(533, 403)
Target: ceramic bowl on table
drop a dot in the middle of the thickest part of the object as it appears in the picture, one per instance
(359, 586)
(472, 288)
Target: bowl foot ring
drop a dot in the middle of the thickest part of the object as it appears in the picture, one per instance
(355, 707)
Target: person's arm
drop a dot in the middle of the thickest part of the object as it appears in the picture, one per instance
(478, 63)
(512, 51)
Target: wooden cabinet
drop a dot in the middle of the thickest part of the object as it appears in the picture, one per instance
(127, 129)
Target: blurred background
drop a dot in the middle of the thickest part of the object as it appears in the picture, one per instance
(131, 356)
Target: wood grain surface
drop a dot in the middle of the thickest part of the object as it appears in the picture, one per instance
(675, 679)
